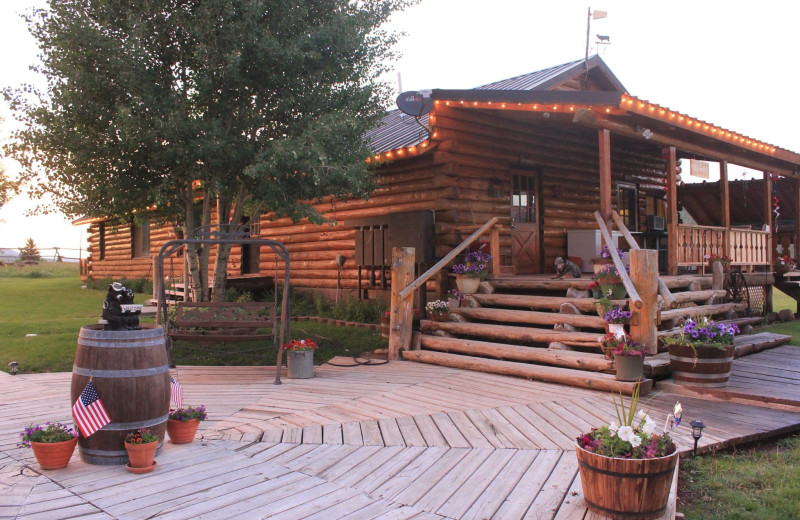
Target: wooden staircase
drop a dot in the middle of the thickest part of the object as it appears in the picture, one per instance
(548, 330)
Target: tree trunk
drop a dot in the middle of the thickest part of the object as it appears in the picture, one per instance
(229, 211)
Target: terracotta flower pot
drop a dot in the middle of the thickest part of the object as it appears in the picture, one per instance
(626, 488)
(54, 455)
(182, 432)
(141, 455)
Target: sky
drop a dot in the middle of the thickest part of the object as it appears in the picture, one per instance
(731, 63)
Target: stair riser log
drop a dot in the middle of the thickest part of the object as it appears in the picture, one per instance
(510, 333)
(530, 317)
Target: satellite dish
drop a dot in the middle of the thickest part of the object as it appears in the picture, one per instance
(415, 103)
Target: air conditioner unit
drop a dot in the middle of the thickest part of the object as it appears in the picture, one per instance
(655, 223)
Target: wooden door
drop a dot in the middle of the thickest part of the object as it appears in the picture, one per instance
(526, 247)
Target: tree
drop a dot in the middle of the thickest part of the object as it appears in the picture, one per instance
(247, 102)
(29, 253)
(8, 188)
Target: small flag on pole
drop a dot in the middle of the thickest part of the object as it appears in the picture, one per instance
(88, 411)
(176, 392)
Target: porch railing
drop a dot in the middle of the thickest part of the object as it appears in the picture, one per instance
(746, 246)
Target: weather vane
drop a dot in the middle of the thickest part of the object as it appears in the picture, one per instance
(601, 38)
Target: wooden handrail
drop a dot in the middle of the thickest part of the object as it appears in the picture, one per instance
(427, 275)
(623, 274)
(663, 290)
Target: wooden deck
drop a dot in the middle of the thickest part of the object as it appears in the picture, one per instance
(402, 440)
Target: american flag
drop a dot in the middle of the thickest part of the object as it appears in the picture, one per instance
(88, 411)
(176, 392)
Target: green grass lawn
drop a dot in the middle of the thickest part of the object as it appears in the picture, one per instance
(760, 482)
(42, 309)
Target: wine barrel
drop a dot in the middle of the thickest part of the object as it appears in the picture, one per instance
(624, 489)
(710, 369)
(130, 371)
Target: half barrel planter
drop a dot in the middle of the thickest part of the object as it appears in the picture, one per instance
(711, 369)
(624, 489)
(130, 371)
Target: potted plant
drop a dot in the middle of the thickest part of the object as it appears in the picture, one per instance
(609, 279)
(603, 304)
(627, 354)
(454, 298)
(702, 339)
(141, 447)
(626, 467)
(724, 260)
(594, 288)
(300, 358)
(782, 265)
(474, 269)
(438, 310)
(182, 423)
(603, 258)
(52, 444)
(616, 318)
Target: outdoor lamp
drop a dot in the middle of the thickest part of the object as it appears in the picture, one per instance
(697, 432)
(14, 367)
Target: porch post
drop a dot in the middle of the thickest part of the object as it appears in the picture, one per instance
(672, 210)
(725, 197)
(401, 310)
(644, 275)
(604, 141)
(796, 252)
(768, 216)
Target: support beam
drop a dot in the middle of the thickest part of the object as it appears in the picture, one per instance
(672, 211)
(796, 196)
(725, 216)
(644, 275)
(768, 217)
(402, 312)
(604, 141)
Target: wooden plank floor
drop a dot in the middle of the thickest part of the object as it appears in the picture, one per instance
(394, 441)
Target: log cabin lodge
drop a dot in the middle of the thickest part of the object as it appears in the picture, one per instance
(541, 153)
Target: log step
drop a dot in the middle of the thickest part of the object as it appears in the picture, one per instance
(562, 358)
(552, 303)
(529, 317)
(510, 333)
(697, 296)
(702, 310)
(559, 375)
(521, 283)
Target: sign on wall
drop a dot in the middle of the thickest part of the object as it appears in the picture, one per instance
(698, 168)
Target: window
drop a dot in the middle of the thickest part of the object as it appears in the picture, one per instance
(101, 240)
(140, 239)
(655, 205)
(627, 205)
(523, 198)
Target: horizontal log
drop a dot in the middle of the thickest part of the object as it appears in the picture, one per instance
(697, 296)
(565, 376)
(562, 358)
(538, 302)
(512, 333)
(530, 317)
(703, 310)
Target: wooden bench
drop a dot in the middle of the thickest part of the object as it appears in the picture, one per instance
(223, 321)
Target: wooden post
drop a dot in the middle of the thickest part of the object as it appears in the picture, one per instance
(644, 275)
(672, 211)
(725, 217)
(768, 217)
(494, 250)
(796, 251)
(402, 311)
(604, 141)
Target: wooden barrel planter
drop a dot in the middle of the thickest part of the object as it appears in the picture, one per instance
(711, 369)
(129, 369)
(624, 489)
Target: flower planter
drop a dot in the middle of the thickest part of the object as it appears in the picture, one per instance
(54, 455)
(781, 270)
(455, 303)
(629, 368)
(300, 363)
(140, 457)
(600, 265)
(614, 285)
(182, 432)
(623, 489)
(439, 315)
(712, 368)
(468, 284)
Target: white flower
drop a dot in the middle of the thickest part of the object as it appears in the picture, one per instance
(636, 441)
(613, 427)
(641, 414)
(625, 433)
(648, 426)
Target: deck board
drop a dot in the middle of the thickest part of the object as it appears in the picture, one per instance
(395, 441)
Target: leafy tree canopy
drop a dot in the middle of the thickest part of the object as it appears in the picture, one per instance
(268, 99)
(8, 188)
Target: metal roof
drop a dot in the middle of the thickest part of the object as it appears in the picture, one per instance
(398, 130)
